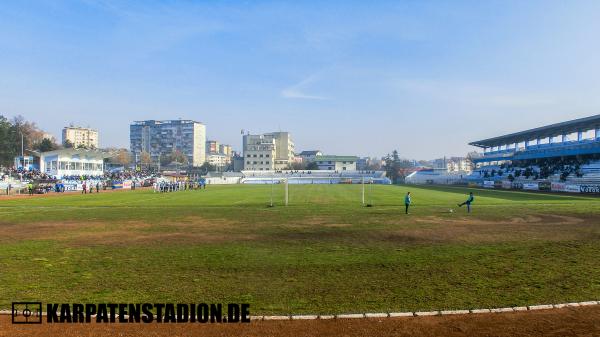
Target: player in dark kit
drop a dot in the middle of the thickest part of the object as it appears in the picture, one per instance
(468, 202)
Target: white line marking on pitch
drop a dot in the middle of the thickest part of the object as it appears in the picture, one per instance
(410, 313)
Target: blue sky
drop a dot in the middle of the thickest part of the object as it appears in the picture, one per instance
(364, 78)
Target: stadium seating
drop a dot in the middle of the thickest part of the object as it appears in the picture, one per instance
(314, 177)
(435, 176)
(570, 170)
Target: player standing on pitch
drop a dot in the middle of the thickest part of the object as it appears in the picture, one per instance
(468, 202)
(407, 201)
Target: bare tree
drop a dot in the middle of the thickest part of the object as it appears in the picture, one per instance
(123, 157)
(179, 157)
(145, 159)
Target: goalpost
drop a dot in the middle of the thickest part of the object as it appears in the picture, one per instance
(366, 192)
(286, 189)
(370, 204)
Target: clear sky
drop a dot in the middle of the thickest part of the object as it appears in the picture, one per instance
(362, 77)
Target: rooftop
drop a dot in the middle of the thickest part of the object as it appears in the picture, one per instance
(84, 152)
(336, 158)
(309, 153)
(575, 125)
(72, 127)
(171, 121)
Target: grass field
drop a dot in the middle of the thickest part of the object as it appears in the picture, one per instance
(323, 253)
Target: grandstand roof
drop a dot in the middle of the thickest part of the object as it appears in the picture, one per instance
(71, 152)
(575, 125)
(310, 153)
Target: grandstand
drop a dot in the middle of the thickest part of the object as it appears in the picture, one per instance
(563, 157)
(314, 177)
(439, 176)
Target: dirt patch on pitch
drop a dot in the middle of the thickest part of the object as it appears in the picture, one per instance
(58, 230)
(311, 221)
(468, 230)
(338, 225)
(408, 230)
(316, 222)
(127, 238)
(528, 219)
(189, 230)
(443, 229)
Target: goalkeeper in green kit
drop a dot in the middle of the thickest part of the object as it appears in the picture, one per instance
(468, 202)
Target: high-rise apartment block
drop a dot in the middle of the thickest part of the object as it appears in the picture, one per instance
(162, 138)
(78, 136)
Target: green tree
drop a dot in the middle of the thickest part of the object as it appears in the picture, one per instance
(207, 167)
(15, 135)
(392, 166)
(312, 166)
(46, 145)
(296, 166)
(7, 144)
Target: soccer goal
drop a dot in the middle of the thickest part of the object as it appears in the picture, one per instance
(363, 198)
(358, 186)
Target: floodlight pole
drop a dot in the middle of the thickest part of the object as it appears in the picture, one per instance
(22, 150)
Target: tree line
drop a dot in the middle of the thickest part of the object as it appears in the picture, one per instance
(33, 139)
(397, 168)
(17, 134)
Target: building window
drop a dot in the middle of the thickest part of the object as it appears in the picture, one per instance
(249, 156)
(330, 168)
(266, 155)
